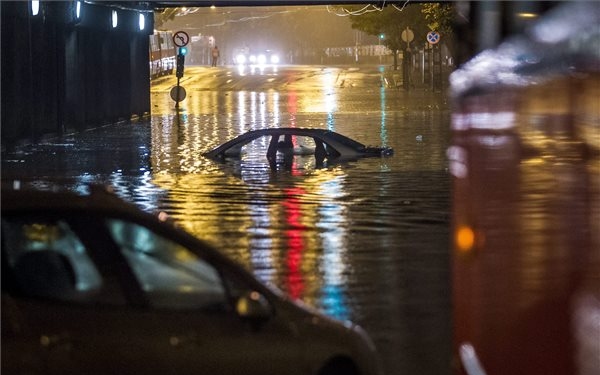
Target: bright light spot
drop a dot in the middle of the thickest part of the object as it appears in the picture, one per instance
(163, 216)
(470, 360)
(35, 7)
(185, 289)
(484, 120)
(457, 157)
(114, 19)
(274, 59)
(261, 59)
(526, 15)
(142, 21)
(240, 59)
(465, 239)
(78, 10)
(255, 296)
(495, 121)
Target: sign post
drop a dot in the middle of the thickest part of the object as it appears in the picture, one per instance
(407, 36)
(435, 61)
(180, 39)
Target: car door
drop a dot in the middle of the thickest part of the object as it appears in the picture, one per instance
(192, 319)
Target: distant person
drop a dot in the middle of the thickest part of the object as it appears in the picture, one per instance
(215, 55)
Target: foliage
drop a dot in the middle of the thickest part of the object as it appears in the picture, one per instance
(439, 17)
(390, 22)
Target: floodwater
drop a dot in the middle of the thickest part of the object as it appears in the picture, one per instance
(365, 240)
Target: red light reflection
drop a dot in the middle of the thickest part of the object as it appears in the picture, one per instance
(294, 240)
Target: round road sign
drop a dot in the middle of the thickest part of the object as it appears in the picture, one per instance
(408, 35)
(433, 37)
(181, 38)
(175, 90)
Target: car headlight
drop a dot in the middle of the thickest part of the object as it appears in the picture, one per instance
(252, 59)
(274, 59)
(241, 59)
(261, 59)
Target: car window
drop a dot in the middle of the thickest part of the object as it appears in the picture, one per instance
(48, 259)
(171, 275)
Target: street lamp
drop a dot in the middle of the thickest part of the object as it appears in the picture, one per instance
(379, 52)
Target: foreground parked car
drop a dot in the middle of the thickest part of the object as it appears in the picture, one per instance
(91, 284)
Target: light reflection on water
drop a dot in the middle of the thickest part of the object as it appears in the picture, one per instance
(365, 240)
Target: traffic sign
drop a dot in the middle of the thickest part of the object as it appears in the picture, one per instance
(408, 35)
(181, 38)
(178, 93)
(433, 37)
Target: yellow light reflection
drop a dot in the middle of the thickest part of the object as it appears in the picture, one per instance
(464, 239)
(527, 15)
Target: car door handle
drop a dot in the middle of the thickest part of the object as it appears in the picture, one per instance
(53, 341)
(182, 340)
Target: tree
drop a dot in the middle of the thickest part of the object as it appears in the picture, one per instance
(440, 18)
(390, 22)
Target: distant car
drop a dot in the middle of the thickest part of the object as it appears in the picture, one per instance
(257, 58)
(93, 285)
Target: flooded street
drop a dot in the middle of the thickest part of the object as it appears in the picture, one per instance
(471, 250)
(365, 240)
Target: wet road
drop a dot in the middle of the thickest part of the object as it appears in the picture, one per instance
(365, 240)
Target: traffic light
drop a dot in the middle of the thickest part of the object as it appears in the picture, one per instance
(183, 51)
(180, 63)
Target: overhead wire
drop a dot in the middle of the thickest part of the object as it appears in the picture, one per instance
(364, 10)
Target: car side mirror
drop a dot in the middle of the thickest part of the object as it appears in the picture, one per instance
(253, 306)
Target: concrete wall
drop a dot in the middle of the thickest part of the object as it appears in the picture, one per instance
(62, 74)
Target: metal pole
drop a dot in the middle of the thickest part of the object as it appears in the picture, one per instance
(177, 94)
(423, 64)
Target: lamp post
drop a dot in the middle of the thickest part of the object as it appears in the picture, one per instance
(379, 52)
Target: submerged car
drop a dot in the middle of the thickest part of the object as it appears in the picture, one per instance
(325, 144)
(93, 285)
